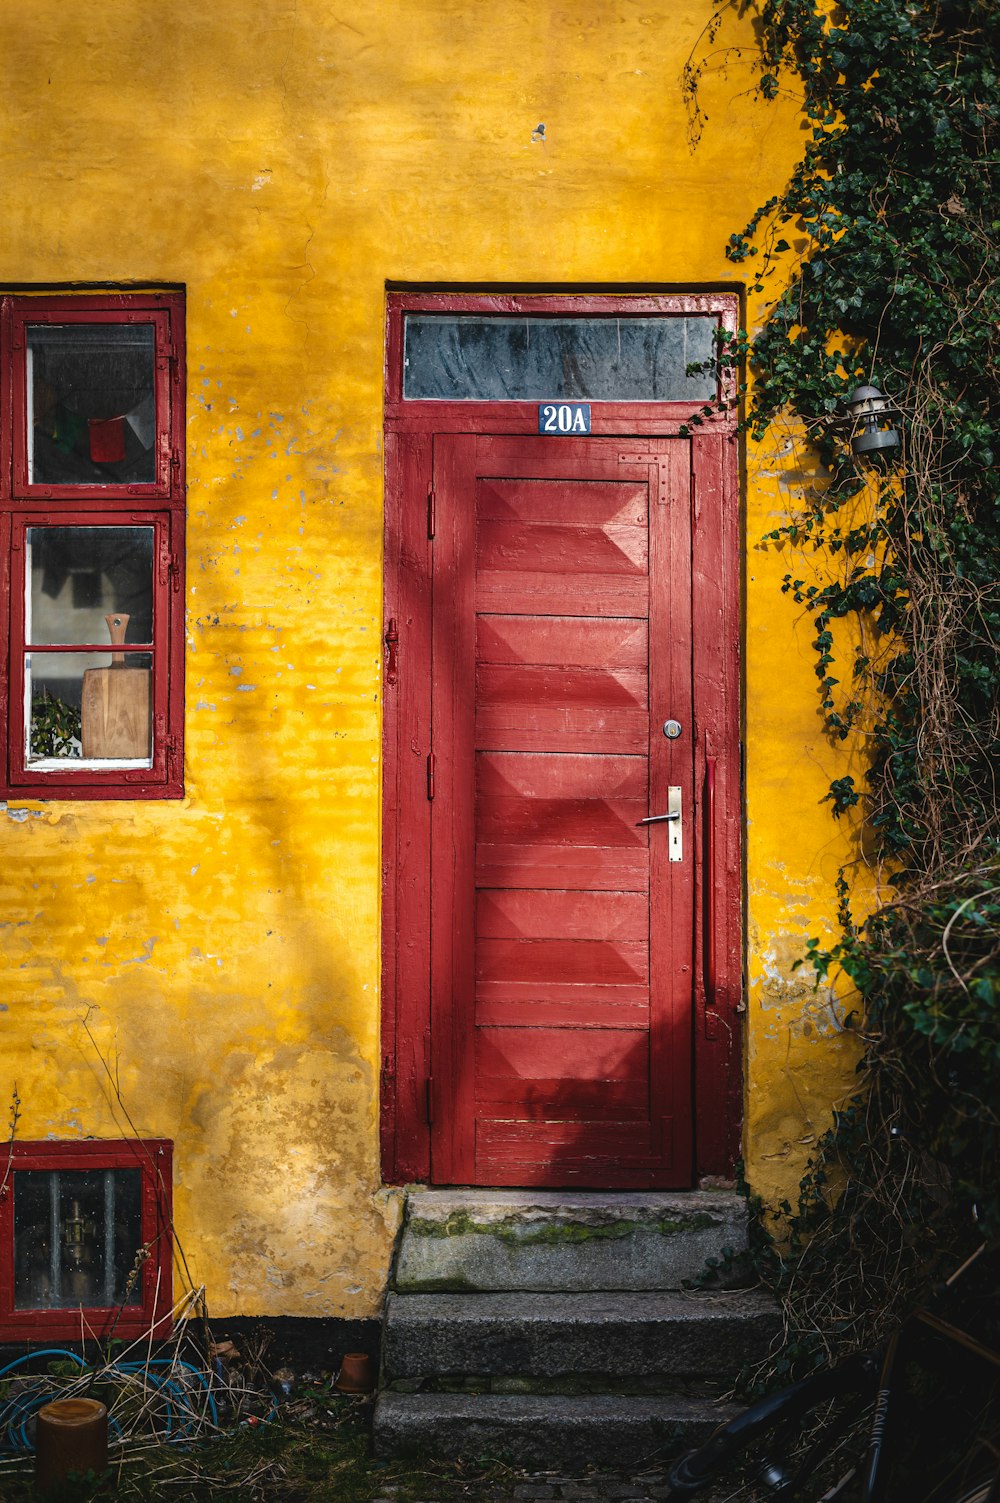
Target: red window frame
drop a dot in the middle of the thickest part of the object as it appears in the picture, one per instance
(153, 1157)
(160, 504)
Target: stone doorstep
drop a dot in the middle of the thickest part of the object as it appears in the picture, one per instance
(578, 1432)
(466, 1240)
(623, 1335)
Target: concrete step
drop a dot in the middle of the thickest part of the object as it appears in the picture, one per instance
(623, 1335)
(560, 1432)
(465, 1240)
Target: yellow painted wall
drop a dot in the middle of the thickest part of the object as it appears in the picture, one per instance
(283, 159)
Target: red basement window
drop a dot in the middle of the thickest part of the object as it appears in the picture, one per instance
(85, 1240)
(92, 545)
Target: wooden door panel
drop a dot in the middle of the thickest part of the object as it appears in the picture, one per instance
(568, 915)
(541, 823)
(555, 687)
(584, 730)
(580, 868)
(539, 503)
(518, 1153)
(521, 774)
(565, 821)
(561, 962)
(619, 548)
(576, 962)
(597, 642)
(558, 1004)
(558, 1074)
(585, 595)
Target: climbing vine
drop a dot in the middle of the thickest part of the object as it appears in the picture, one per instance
(884, 260)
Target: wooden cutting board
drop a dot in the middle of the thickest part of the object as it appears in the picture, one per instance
(115, 704)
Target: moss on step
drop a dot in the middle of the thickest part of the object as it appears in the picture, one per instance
(520, 1233)
(567, 1384)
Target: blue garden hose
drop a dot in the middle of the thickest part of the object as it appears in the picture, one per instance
(16, 1414)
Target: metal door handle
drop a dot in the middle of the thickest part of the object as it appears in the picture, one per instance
(675, 839)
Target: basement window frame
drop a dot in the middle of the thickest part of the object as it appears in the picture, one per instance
(157, 503)
(150, 1313)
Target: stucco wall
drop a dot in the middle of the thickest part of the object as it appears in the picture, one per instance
(282, 161)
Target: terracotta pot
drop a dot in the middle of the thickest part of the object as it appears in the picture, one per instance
(71, 1436)
(357, 1373)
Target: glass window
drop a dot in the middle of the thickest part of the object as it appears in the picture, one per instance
(80, 575)
(88, 587)
(92, 590)
(86, 1225)
(91, 410)
(77, 1238)
(458, 357)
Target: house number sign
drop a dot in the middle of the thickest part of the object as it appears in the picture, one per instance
(564, 417)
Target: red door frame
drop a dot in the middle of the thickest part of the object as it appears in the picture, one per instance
(406, 1097)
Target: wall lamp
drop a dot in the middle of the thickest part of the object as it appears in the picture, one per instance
(871, 418)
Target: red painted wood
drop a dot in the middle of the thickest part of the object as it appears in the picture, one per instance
(656, 419)
(452, 851)
(511, 1153)
(506, 1150)
(525, 1005)
(584, 594)
(590, 868)
(555, 914)
(606, 691)
(716, 559)
(672, 886)
(546, 302)
(406, 817)
(160, 504)
(520, 775)
(567, 821)
(604, 643)
(151, 1311)
(577, 962)
(539, 722)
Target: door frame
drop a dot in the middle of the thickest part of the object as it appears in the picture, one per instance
(406, 1097)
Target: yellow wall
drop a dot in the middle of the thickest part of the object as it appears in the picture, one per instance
(284, 160)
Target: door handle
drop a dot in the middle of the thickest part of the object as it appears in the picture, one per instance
(675, 840)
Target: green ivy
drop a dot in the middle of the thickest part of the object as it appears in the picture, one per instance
(883, 260)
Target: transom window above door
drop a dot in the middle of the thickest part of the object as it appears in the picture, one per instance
(608, 358)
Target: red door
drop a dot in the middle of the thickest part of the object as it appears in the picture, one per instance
(562, 983)
(562, 927)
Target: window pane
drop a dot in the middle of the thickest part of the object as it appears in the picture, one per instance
(76, 1236)
(91, 417)
(89, 705)
(458, 358)
(78, 576)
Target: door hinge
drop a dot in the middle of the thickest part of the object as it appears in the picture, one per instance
(430, 1099)
(174, 571)
(430, 775)
(391, 651)
(431, 512)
